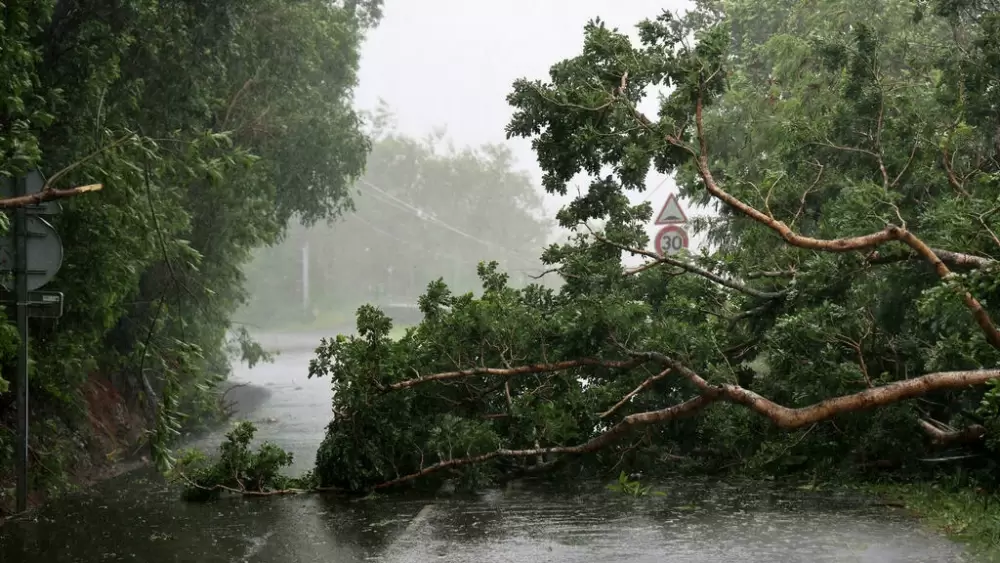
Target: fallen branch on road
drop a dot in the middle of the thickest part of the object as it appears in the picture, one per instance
(944, 436)
(791, 418)
(241, 491)
(520, 370)
(594, 444)
(784, 417)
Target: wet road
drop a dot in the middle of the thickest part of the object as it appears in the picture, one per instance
(138, 517)
(294, 410)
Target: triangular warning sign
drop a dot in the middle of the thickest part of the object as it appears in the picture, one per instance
(671, 212)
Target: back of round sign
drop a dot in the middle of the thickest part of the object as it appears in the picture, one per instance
(45, 254)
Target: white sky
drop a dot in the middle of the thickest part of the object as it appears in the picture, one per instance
(451, 64)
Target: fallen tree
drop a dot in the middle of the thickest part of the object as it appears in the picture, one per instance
(784, 417)
(852, 268)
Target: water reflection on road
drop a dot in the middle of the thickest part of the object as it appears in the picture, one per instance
(138, 518)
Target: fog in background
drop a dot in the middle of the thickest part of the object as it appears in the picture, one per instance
(452, 63)
(439, 71)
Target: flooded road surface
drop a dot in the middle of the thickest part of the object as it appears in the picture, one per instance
(138, 517)
(285, 405)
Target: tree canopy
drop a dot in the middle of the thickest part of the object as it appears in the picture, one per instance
(853, 154)
(210, 124)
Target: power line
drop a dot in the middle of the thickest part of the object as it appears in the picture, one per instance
(397, 239)
(452, 257)
(511, 254)
(654, 190)
(425, 216)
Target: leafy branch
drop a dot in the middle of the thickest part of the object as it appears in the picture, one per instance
(657, 259)
(786, 418)
(868, 241)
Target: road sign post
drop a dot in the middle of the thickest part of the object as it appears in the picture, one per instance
(34, 255)
(305, 277)
(21, 292)
(672, 238)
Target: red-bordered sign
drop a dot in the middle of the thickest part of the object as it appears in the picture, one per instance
(671, 212)
(671, 240)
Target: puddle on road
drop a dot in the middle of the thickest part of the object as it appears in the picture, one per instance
(138, 518)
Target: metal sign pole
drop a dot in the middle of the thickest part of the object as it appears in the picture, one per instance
(30, 233)
(21, 283)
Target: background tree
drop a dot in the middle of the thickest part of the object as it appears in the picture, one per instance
(424, 209)
(210, 124)
(852, 154)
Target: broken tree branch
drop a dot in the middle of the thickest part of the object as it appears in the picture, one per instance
(50, 193)
(693, 269)
(791, 418)
(519, 370)
(242, 490)
(642, 386)
(47, 194)
(943, 437)
(784, 417)
(957, 259)
(601, 440)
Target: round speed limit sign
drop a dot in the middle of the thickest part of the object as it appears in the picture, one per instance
(671, 240)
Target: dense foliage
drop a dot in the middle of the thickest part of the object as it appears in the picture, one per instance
(853, 151)
(210, 124)
(237, 468)
(423, 209)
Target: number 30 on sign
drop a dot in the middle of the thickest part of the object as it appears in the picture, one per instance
(671, 240)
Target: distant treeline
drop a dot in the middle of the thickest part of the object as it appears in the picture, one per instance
(423, 210)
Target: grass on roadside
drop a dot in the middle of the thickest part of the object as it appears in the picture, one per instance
(965, 515)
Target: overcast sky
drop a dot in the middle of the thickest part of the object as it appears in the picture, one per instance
(451, 63)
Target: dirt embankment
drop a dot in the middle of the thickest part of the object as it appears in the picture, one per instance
(112, 441)
(108, 444)
(117, 431)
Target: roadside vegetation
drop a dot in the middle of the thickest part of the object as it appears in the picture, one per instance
(210, 124)
(967, 514)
